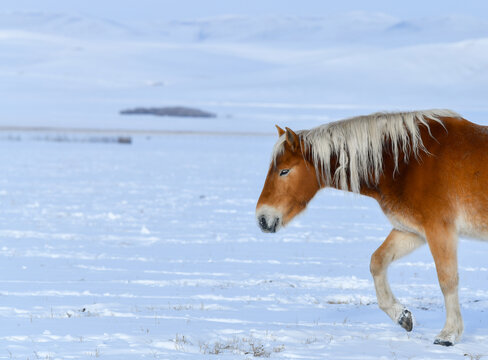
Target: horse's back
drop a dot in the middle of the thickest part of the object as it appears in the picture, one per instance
(459, 169)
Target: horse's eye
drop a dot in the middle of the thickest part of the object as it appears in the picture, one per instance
(284, 172)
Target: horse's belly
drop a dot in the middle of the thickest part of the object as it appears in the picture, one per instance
(472, 224)
(402, 223)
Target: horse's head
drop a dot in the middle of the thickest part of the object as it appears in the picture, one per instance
(290, 184)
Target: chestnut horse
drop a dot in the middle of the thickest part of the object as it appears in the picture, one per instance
(428, 170)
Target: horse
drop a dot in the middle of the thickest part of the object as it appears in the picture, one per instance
(427, 170)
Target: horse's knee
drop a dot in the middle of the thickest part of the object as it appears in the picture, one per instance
(448, 281)
(376, 265)
(447, 274)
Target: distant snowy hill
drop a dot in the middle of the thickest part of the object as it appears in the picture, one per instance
(252, 71)
(64, 24)
(355, 28)
(352, 28)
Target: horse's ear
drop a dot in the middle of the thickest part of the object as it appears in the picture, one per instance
(291, 138)
(280, 130)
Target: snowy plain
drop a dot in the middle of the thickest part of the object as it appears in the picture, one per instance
(151, 250)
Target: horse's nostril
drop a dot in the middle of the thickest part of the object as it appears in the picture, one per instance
(262, 222)
(274, 226)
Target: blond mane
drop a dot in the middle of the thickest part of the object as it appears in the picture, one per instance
(357, 143)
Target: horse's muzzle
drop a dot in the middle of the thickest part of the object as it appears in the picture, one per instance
(268, 226)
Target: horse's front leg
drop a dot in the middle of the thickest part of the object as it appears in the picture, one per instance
(397, 244)
(442, 242)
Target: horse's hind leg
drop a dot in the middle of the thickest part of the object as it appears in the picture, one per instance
(442, 242)
(396, 245)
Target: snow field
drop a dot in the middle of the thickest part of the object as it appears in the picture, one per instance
(151, 250)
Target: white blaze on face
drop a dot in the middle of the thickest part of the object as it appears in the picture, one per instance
(269, 218)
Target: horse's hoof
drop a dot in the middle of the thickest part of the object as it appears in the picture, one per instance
(405, 320)
(443, 342)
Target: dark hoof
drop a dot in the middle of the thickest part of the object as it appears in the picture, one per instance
(443, 342)
(405, 320)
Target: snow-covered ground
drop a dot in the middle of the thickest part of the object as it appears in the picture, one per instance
(151, 250)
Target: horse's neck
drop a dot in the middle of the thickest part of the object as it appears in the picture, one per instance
(398, 173)
(372, 187)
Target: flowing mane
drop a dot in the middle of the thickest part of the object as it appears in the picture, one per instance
(357, 144)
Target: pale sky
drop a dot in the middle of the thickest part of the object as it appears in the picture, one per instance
(154, 10)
